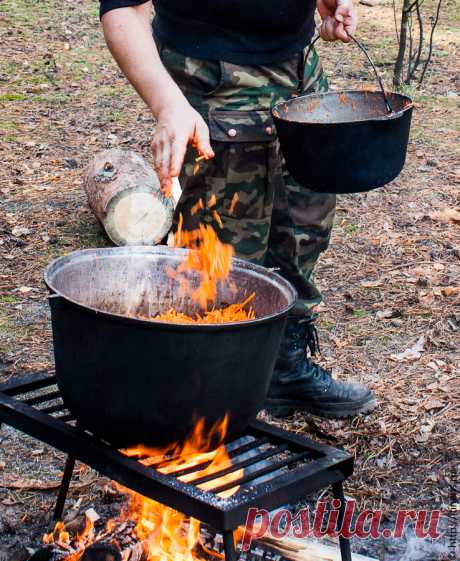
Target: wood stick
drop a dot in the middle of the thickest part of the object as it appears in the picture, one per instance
(124, 193)
(308, 550)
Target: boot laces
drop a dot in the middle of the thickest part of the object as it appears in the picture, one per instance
(311, 338)
(312, 344)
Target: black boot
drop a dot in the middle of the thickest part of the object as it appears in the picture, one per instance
(299, 383)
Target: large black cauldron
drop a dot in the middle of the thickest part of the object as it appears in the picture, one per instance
(134, 381)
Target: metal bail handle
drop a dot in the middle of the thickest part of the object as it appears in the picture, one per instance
(377, 75)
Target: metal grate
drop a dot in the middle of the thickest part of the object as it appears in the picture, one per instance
(278, 467)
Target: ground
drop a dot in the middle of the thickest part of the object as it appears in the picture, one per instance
(390, 278)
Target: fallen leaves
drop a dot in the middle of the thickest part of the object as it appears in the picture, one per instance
(23, 484)
(371, 284)
(19, 231)
(25, 289)
(433, 404)
(450, 291)
(387, 314)
(8, 481)
(412, 353)
(446, 215)
(425, 431)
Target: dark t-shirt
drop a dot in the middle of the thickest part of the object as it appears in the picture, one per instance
(238, 31)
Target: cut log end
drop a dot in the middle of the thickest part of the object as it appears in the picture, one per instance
(138, 218)
(124, 193)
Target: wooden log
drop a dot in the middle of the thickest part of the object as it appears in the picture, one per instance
(308, 550)
(124, 193)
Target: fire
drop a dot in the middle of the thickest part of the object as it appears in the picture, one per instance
(211, 258)
(75, 546)
(202, 448)
(168, 534)
(165, 534)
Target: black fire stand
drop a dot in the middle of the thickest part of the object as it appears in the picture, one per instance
(279, 467)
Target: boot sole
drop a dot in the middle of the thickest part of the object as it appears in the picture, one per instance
(285, 407)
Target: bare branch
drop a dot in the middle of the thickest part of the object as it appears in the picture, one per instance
(420, 40)
(410, 56)
(430, 49)
(396, 22)
(409, 8)
(399, 64)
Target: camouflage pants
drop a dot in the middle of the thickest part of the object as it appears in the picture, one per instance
(276, 222)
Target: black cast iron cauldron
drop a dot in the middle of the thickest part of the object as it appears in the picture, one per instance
(344, 142)
(134, 381)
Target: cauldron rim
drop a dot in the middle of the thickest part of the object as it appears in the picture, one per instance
(281, 116)
(283, 285)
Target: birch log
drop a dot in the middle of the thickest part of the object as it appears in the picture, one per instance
(124, 193)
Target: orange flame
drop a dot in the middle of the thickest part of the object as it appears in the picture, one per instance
(169, 534)
(166, 535)
(77, 545)
(211, 258)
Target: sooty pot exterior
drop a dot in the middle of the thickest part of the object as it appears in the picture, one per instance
(335, 149)
(131, 381)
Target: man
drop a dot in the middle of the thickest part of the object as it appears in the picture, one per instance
(210, 73)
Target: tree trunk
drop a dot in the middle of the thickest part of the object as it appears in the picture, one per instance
(124, 193)
(399, 65)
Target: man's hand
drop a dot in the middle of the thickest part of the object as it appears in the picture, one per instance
(178, 124)
(339, 19)
(129, 37)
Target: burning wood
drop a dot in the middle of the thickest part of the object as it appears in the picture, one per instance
(146, 530)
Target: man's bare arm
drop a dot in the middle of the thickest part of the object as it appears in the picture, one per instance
(128, 35)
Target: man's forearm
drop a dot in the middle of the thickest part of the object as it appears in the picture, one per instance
(129, 37)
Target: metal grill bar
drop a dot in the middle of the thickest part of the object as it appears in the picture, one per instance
(257, 443)
(53, 408)
(259, 473)
(253, 444)
(240, 465)
(28, 383)
(42, 398)
(65, 418)
(191, 469)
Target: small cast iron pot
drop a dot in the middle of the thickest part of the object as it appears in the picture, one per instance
(132, 381)
(344, 142)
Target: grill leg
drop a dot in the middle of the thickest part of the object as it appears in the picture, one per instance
(64, 488)
(229, 546)
(345, 550)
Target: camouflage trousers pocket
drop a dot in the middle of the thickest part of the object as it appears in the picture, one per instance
(242, 173)
(249, 237)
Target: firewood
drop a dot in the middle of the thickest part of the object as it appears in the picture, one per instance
(48, 553)
(101, 552)
(308, 550)
(124, 193)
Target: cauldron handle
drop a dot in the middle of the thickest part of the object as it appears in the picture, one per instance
(377, 75)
